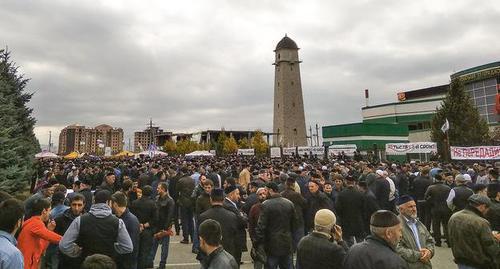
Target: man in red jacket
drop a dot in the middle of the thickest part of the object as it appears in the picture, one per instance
(35, 236)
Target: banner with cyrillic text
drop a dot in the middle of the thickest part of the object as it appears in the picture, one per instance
(348, 149)
(275, 152)
(475, 153)
(317, 151)
(246, 152)
(404, 148)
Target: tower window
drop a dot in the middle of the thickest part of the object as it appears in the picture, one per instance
(278, 105)
(292, 82)
(293, 104)
(278, 56)
(295, 131)
(291, 67)
(278, 84)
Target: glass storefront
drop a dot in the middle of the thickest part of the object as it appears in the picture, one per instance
(483, 94)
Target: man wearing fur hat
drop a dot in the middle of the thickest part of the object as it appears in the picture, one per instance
(378, 251)
(323, 248)
(417, 245)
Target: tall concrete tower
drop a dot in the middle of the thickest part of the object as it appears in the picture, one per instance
(289, 120)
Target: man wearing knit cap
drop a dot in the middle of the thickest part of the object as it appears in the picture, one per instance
(472, 242)
(378, 251)
(323, 248)
(417, 245)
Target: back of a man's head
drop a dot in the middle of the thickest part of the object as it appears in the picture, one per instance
(211, 232)
(11, 212)
(98, 261)
(102, 196)
(119, 198)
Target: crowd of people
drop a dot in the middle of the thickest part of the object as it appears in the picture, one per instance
(296, 212)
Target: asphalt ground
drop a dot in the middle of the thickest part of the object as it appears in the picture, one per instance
(180, 256)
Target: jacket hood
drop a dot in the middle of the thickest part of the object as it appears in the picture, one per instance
(100, 210)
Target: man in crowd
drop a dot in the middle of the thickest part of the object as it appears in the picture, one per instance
(210, 243)
(230, 223)
(379, 249)
(457, 198)
(300, 204)
(349, 207)
(230, 203)
(97, 232)
(253, 218)
(318, 250)
(35, 237)
(166, 206)
(473, 244)
(45, 192)
(85, 190)
(493, 214)
(108, 182)
(316, 200)
(244, 176)
(76, 207)
(420, 185)
(435, 198)
(417, 245)
(119, 207)
(185, 187)
(275, 227)
(145, 210)
(11, 220)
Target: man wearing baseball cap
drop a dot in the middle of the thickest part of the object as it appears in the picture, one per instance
(472, 241)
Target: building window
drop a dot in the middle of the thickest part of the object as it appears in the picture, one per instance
(292, 82)
(293, 104)
(295, 131)
(278, 105)
(279, 56)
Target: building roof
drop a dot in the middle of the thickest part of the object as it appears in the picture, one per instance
(475, 69)
(286, 43)
(423, 93)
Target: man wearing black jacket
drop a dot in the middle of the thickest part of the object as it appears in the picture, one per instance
(147, 213)
(77, 204)
(275, 227)
(435, 198)
(420, 185)
(165, 205)
(323, 248)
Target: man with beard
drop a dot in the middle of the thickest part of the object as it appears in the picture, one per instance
(378, 251)
(253, 218)
(76, 208)
(416, 246)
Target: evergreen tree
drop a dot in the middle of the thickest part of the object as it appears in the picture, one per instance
(467, 128)
(18, 143)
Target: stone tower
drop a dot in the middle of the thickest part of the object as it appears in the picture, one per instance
(289, 120)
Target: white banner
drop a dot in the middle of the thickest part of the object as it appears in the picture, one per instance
(475, 153)
(275, 152)
(289, 151)
(246, 152)
(404, 148)
(318, 151)
(348, 149)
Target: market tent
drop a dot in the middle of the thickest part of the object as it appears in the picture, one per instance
(72, 155)
(152, 153)
(46, 154)
(124, 153)
(200, 153)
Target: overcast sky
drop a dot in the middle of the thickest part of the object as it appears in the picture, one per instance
(193, 65)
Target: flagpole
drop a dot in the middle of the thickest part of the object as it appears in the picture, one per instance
(448, 153)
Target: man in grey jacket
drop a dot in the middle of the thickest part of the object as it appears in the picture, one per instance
(97, 232)
(417, 245)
